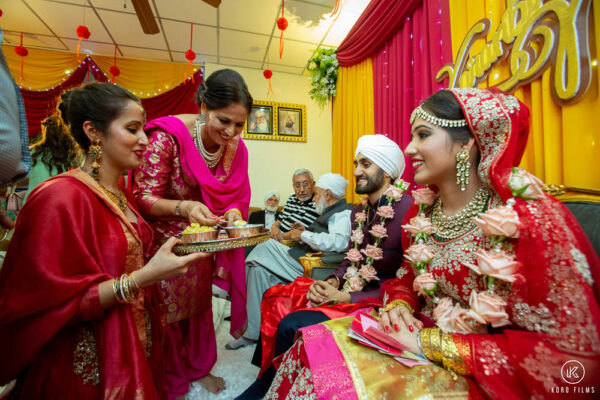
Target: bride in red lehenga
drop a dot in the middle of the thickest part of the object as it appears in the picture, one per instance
(510, 298)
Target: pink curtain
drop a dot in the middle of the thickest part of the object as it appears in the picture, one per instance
(376, 25)
(404, 70)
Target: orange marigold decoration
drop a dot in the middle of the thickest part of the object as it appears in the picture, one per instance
(82, 33)
(190, 55)
(22, 52)
(282, 24)
(336, 9)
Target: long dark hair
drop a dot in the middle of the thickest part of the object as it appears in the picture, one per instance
(99, 102)
(55, 147)
(223, 88)
(444, 105)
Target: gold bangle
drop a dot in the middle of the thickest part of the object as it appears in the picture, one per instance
(117, 291)
(135, 284)
(177, 210)
(397, 303)
(452, 359)
(436, 345)
(125, 285)
(425, 336)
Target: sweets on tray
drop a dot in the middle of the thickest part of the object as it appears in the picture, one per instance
(195, 227)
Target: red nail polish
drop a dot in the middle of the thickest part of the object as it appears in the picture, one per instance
(387, 329)
(410, 328)
(397, 327)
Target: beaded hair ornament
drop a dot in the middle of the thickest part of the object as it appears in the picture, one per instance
(432, 119)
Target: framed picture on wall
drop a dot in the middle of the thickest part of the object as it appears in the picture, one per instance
(260, 120)
(289, 121)
(276, 121)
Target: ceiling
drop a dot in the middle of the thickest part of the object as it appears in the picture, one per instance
(240, 33)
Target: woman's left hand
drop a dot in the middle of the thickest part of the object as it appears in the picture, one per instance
(232, 215)
(407, 337)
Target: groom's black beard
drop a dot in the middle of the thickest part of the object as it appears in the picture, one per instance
(374, 183)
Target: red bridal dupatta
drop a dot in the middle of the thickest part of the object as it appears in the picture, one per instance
(219, 195)
(70, 237)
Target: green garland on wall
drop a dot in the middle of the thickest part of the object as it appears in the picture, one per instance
(323, 68)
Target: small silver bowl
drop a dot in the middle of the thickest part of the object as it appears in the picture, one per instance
(244, 230)
(199, 237)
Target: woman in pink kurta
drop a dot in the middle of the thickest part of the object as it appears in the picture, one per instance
(196, 169)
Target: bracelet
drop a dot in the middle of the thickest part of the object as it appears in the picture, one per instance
(425, 336)
(396, 303)
(436, 345)
(178, 208)
(452, 360)
(136, 287)
(116, 291)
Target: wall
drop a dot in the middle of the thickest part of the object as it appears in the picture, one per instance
(272, 163)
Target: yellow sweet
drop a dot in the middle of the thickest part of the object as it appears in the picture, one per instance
(240, 222)
(197, 228)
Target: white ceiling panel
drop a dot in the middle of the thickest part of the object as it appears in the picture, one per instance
(195, 11)
(145, 54)
(178, 35)
(64, 19)
(239, 34)
(127, 31)
(16, 16)
(242, 45)
(294, 53)
(250, 15)
(240, 63)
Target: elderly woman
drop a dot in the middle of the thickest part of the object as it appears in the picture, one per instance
(509, 299)
(195, 169)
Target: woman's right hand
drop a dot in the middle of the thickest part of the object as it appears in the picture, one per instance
(165, 264)
(390, 320)
(195, 211)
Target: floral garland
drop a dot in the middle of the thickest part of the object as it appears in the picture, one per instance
(500, 224)
(323, 68)
(357, 278)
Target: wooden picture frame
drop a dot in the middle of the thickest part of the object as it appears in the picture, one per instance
(276, 121)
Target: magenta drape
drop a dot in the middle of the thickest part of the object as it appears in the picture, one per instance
(377, 24)
(404, 70)
(41, 104)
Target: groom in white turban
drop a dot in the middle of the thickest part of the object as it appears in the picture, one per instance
(272, 262)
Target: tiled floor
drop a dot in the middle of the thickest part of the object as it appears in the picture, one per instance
(233, 365)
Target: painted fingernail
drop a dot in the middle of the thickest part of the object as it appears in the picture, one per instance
(397, 327)
(387, 329)
(410, 328)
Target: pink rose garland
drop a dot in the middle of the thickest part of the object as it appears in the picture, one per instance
(357, 278)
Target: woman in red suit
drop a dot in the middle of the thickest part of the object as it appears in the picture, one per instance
(78, 298)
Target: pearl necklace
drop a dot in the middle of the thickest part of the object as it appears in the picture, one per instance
(459, 224)
(211, 159)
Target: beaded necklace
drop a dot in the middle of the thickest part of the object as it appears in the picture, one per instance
(211, 159)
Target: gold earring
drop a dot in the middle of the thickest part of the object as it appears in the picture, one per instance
(462, 169)
(95, 154)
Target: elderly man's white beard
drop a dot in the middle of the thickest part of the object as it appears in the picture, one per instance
(271, 208)
(321, 206)
(307, 198)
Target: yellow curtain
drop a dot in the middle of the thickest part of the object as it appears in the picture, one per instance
(564, 142)
(44, 69)
(353, 117)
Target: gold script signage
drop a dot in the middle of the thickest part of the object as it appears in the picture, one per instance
(532, 35)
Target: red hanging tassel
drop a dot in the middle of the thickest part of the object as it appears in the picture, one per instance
(282, 24)
(268, 74)
(336, 8)
(22, 52)
(190, 55)
(82, 33)
(114, 70)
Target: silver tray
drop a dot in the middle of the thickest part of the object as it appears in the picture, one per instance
(211, 246)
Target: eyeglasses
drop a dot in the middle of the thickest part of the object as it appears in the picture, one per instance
(299, 185)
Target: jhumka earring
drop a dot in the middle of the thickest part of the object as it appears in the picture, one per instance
(95, 154)
(462, 169)
(202, 119)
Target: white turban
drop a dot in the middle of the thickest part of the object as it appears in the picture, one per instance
(382, 151)
(334, 182)
(271, 193)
